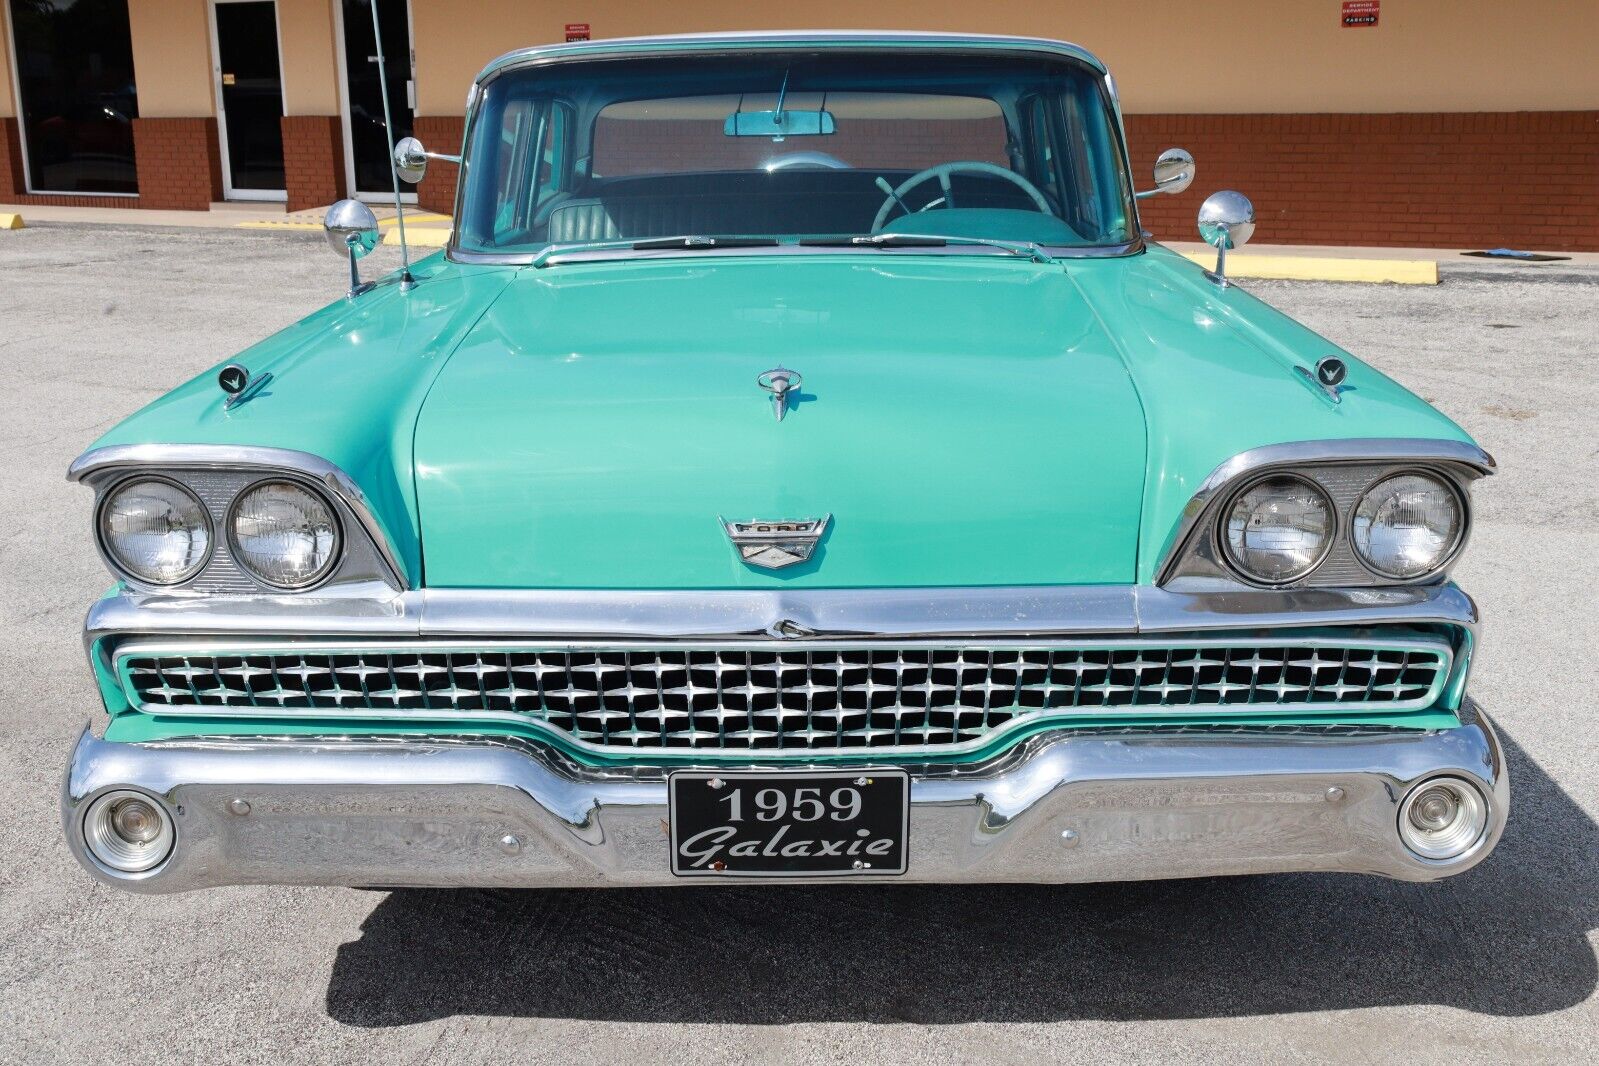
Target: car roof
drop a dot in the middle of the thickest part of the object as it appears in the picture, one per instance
(840, 39)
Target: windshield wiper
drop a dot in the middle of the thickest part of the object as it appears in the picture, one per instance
(688, 242)
(928, 240)
(703, 242)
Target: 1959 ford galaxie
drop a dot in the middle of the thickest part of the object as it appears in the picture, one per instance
(797, 466)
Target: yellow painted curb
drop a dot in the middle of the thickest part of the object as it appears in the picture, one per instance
(418, 236)
(1308, 268)
(412, 218)
(8, 221)
(278, 225)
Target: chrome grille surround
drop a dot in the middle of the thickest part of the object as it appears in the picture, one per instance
(783, 698)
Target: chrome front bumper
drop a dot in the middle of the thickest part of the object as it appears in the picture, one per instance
(1063, 807)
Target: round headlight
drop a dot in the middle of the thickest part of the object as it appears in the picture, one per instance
(1443, 818)
(284, 534)
(155, 531)
(1408, 525)
(128, 831)
(1279, 529)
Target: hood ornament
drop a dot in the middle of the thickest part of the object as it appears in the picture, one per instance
(780, 381)
(774, 545)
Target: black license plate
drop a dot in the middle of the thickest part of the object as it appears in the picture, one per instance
(800, 824)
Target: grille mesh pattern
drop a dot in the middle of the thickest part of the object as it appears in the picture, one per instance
(811, 698)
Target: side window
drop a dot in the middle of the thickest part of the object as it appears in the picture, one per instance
(1058, 148)
(1042, 163)
(550, 176)
(530, 163)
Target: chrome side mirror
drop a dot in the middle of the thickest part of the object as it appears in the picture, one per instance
(352, 231)
(1226, 220)
(1174, 172)
(410, 160)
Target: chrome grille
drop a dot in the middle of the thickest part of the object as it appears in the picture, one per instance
(806, 697)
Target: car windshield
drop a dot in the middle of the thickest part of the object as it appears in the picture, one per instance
(792, 147)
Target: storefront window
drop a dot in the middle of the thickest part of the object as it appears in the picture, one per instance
(74, 63)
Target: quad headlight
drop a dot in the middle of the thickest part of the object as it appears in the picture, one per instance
(155, 531)
(284, 534)
(1408, 526)
(1279, 529)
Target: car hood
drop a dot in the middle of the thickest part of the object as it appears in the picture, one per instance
(965, 420)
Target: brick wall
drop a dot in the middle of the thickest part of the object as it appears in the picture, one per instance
(180, 167)
(1506, 179)
(439, 133)
(313, 160)
(12, 181)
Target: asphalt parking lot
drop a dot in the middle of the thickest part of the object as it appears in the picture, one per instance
(1495, 965)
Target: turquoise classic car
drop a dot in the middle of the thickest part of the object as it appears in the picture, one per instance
(798, 465)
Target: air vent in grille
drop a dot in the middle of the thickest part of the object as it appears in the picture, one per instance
(800, 697)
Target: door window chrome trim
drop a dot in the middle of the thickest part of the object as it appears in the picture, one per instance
(92, 465)
(1432, 455)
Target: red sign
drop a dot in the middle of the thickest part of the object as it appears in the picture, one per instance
(1359, 13)
(577, 31)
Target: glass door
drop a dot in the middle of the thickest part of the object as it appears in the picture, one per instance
(249, 87)
(366, 137)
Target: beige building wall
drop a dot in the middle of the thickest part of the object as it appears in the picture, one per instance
(310, 58)
(172, 58)
(1169, 56)
(8, 105)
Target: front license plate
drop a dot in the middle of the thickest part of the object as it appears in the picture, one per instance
(802, 824)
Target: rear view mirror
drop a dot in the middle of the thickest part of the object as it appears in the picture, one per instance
(779, 124)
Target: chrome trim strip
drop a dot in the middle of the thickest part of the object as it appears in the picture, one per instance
(606, 255)
(161, 457)
(578, 614)
(1022, 720)
(476, 812)
(609, 48)
(1297, 454)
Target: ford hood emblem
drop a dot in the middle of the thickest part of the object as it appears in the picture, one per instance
(774, 545)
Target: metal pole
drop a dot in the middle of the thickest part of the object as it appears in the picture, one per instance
(406, 280)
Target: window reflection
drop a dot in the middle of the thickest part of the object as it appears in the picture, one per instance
(74, 63)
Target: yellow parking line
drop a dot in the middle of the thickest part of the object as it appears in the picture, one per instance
(429, 237)
(1314, 268)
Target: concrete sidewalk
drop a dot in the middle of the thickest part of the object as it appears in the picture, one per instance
(422, 228)
(1416, 266)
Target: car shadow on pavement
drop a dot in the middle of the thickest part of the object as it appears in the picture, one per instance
(1508, 938)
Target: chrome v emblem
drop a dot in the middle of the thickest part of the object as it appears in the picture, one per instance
(780, 381)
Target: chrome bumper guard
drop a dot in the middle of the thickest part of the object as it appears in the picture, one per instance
(1065, 807)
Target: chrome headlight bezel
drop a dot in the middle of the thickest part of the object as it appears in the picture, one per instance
(1450, 554)
(1197, 558)
(1224, 521)
(366, 564)
(335, 554)
(117, 565)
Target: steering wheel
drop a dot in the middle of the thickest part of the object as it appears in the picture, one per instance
(943, 172)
